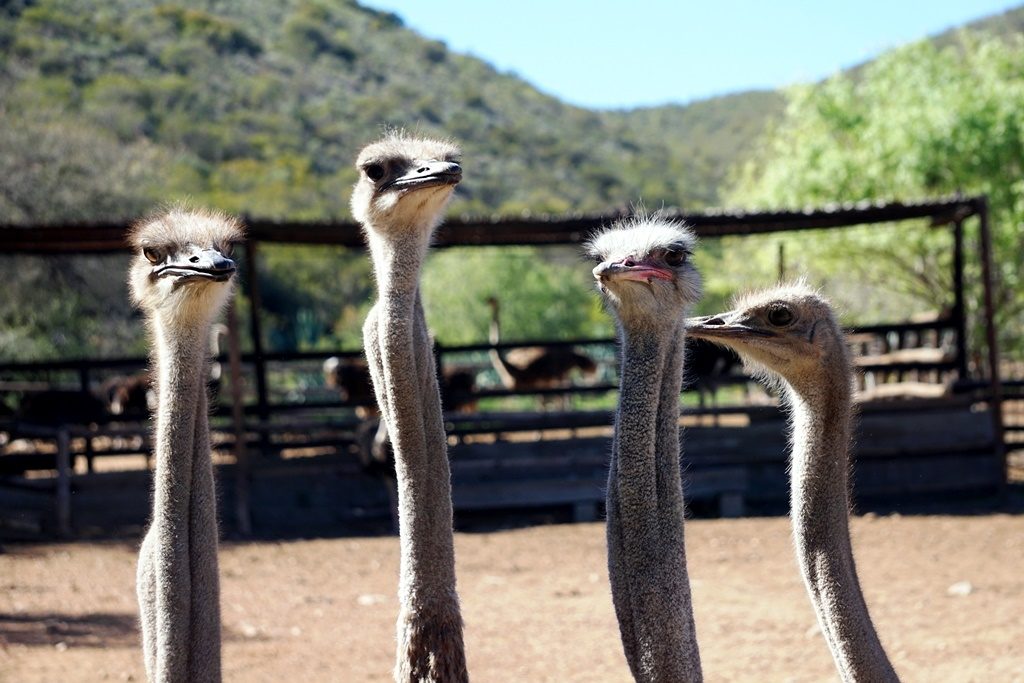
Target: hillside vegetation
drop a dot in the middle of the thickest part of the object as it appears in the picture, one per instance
(261, 106)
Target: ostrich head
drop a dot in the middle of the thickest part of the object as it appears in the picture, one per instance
(182, 265)
(405, 182)
(788, 331)
(645, 269)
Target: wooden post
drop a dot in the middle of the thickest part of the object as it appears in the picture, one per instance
(252, 287)
(63, 482)
(243, 514)
(995, 383)
(959, 309)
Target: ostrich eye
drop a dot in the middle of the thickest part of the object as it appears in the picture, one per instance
(780, 316)
(374, 172)
(152, 255)
(675, 257)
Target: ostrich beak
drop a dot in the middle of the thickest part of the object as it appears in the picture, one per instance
(631, 269)
(426, 174)
(209, 264)
(724, 327)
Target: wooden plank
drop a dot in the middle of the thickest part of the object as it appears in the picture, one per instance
(954, 473)
(934, 432)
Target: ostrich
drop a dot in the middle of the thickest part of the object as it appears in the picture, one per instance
(533, 367)
(132, 396)
(351, 379)
(181, 278)
(129, 396)
(648, 282)
(706, 365)
(457, 387)
(404, 184)
(790, 335)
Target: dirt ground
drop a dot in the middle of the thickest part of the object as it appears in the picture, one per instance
(947, 594)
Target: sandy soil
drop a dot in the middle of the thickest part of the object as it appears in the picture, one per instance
(947, 594)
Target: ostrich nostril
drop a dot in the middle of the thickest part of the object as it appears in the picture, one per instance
(629, 261)
(714, 320)
(194, 259)
(422, 169)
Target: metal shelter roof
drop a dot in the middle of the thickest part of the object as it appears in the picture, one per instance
(504, 230)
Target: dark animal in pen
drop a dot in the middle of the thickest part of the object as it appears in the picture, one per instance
(351, 379)
(707, 367)
(130, 397)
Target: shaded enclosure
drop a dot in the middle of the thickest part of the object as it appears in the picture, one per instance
(294, 456)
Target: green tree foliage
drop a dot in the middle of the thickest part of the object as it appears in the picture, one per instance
(544, 294)
(67, 307)
(918, 122)
(314, 297)
(56, 170)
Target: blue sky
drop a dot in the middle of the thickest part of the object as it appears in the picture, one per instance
(648, 52)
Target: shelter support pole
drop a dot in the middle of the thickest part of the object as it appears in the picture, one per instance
(243, 466)
(995, 383)
(959, 309)
(252, 289)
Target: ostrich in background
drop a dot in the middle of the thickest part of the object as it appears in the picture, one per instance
(129, 396)
(790, 335)
(132, 396)
(648, 282)
(533, 367)
(706, 365)
(350, 377)
(404, 185)
(181, 278)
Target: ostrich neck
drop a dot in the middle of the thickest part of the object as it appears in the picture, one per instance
(398, 260)
(180, 359)
(415, 423)
(179, 554)
(821, 419)
(494, 334)
(647, 558)
(506, 371)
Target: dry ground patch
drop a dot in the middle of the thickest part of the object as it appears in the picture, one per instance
(537, 605)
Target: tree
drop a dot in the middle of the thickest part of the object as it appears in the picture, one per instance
(546, 293)
(920, 121)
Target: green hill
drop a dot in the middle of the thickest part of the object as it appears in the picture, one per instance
(109, 105)
(261, 106)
